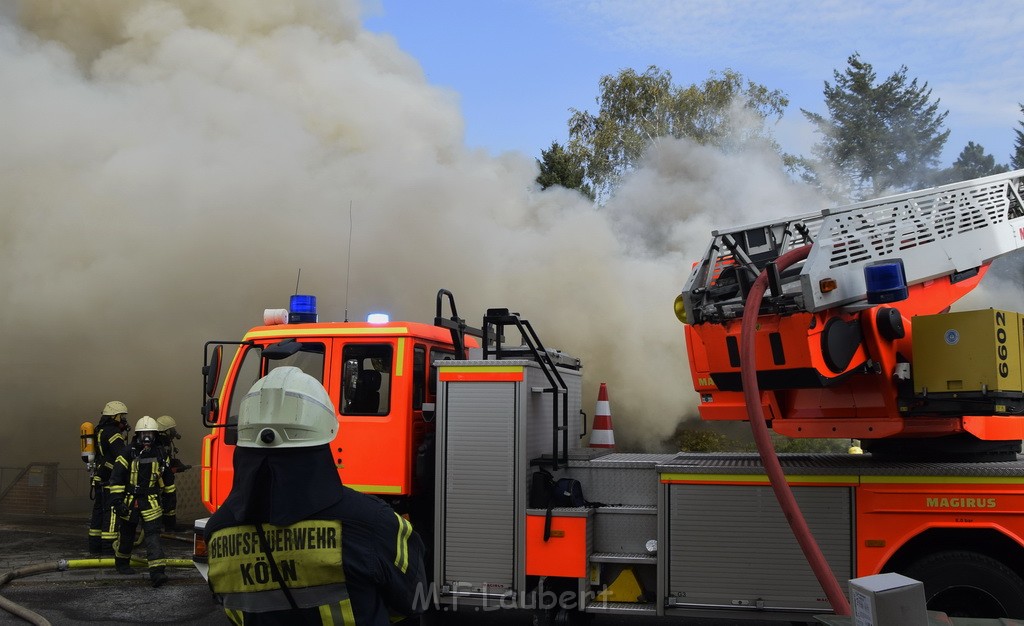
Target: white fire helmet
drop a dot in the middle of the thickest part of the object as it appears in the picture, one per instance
(146, 429)
(146, 423)
(166, 422)
(114, 407)
(287, 408)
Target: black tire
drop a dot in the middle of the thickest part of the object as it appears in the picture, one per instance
(567, 617)
(961, 583)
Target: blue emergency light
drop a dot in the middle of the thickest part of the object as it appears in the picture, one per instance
(378, 318)
(886, 281)
(302, 309)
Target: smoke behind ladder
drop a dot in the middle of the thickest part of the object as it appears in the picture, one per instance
(168, 167)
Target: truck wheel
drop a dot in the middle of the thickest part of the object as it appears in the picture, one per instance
(560, 617)
(566, 617)
(969, 584)
(433, 617)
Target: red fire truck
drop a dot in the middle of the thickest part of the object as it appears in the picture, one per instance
(831, 324)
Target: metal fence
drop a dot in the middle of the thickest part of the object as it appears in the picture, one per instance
(69, 491)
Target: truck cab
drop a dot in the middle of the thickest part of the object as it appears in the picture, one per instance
(380, 375)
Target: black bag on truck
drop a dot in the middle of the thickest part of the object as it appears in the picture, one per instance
(548, 493)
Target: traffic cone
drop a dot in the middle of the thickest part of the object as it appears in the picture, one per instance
(602, 435)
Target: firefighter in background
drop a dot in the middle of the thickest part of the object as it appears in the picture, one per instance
(110, 444)
(165, 440)
(137, 486)
(291, 544)
(168, 434)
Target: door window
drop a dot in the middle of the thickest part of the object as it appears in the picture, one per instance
(366, 379)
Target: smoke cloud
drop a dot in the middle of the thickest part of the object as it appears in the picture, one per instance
(168, 167)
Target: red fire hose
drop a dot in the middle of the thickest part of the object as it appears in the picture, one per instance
(752, 396)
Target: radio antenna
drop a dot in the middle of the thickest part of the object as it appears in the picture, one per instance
(297, 281)
(348, 268)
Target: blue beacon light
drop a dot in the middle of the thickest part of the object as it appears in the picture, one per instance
(302, 309)
(886, 281)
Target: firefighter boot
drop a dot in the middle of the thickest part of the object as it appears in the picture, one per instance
(122, 567)
(157, 576)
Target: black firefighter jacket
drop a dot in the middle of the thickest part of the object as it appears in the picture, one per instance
(344, 557)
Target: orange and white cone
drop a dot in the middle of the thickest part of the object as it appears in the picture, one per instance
(602, 435)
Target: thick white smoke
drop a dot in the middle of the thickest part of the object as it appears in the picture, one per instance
(168, 167)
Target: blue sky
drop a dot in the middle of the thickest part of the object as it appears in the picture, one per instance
(517, 67)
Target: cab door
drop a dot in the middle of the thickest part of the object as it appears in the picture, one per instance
(251, 362)
(373, 394)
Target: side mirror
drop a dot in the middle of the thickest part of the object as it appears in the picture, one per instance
(210, 412)
(211, 371)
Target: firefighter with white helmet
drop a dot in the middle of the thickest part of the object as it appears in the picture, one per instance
(291, 544)
(165, 439)
(137, 485)
(168, 434)
(110, 444)
(168, 426)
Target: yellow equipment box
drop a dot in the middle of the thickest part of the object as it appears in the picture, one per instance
(967, 352)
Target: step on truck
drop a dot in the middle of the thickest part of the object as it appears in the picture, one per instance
(831, 324)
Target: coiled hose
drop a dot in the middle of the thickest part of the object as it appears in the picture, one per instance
(61, 566)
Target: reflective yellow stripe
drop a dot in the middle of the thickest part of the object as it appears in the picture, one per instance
(133, 476)
(206, 475)
(291, 331)
(236, 617)
(340, 613)
(154, 511)
(400, 357)
(755, 478)
(848, 479)
(402, 543)
(490, 369)
(349, 619)
(376, 488)
(933, 480)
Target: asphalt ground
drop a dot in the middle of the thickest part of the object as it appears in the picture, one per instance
(87, 597)
(96, 596)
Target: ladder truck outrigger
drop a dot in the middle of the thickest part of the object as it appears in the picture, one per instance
(832, 324)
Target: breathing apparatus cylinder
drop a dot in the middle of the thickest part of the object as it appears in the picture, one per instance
(88, 436)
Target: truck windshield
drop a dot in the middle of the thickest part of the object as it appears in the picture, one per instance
(309, 358)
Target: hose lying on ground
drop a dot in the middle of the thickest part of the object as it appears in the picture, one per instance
(61, 566)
